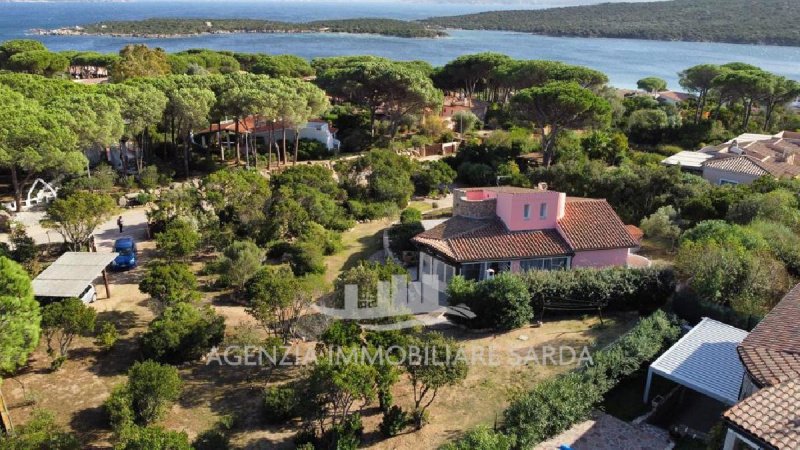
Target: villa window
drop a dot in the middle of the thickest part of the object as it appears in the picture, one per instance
(543, 211)
(471, 271)
(561, 262)
(526, 212)
(496, 267)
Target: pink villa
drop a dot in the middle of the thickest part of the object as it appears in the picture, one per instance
(499, 229)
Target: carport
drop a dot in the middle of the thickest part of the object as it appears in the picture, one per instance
(704, 360)
(69, 275)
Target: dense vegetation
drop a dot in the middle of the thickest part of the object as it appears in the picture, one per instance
(183, 27)
(676, 20)
(229, 235)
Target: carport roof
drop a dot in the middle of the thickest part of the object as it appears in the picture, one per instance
(69, 275)
(705, 360)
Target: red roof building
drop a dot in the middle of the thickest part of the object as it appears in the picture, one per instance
(498, 229)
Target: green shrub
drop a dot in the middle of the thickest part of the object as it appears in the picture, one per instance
(328, 240)
(153, 438)
(119, 408)
(371, 210)
(107, 336)
(346, 435)
(238, 263)
(400, 236)
(169, 283)
(183, 333)
(178, 240)
(480, 438)
(410, 215)
(622, 289)
(689, 307)
(144, 399)
(149, 178)
(394, 421)
(501, 302)
(342, 333)
(281, 403)
(306, 258)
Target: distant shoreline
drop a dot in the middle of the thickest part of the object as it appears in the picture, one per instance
(162, 28)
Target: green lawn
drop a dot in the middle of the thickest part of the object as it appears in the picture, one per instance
(360, 243)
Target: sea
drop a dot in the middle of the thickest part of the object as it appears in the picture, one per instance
(624, 60)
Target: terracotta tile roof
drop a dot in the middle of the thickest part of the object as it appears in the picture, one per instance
(590, 224)
(771, 415)
(462, 239)
(636, 233)
(771, 353)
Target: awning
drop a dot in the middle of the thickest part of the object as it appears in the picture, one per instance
(687, 159)
(705, 360)
(69, 275)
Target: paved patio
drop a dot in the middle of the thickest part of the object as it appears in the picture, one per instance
(606, 432)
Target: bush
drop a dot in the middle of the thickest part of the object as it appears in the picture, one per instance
(400, 236)
(169, 284)
(329, 241)
(281, 403)
(107, 336)
(689, 307)
(501, 302)
(394, 421)
(178, 240)
(238, 263)
(151, 387)
(306, 258)
(465, 121)
(622, 289)
(480, 438)
(309, 150)
(346, 435)
(371, 210)
(183, 333)
(153, 438)
(342, 333)
(410, 215)
(40, 432)
(119, 407)
(149, 178)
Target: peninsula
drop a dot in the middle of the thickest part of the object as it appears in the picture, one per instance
(174, 27)
(770, 22)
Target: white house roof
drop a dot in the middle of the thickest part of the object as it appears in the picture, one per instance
(705, 360)
(69, 275)
(688, 159)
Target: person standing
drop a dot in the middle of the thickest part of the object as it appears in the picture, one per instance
(119, 223)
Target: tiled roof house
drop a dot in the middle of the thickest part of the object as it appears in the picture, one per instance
(768, 416)
(744, 159)
(498, 229)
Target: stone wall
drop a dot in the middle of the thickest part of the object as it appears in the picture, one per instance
(473, 209)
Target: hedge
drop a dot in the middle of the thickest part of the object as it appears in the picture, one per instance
(689, 307)
(555, 405)
(502, 302)
(621, 289)
(496, 302)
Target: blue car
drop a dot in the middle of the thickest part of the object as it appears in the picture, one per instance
(126, 254)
